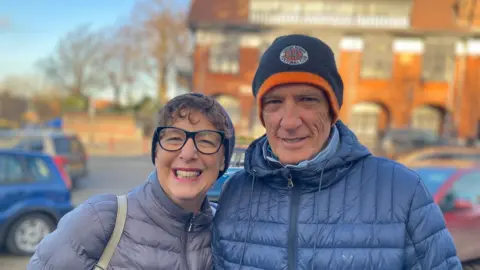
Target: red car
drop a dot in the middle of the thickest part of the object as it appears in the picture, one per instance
(457, 192)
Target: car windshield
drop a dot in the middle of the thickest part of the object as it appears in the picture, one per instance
(433, 178)
(451, 155)
(408, 134)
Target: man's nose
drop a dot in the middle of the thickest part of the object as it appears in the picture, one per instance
(189, 151)
(291, 119)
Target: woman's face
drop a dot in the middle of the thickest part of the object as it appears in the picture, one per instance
(187, 174)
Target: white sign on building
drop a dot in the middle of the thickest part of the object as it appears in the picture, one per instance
(389, 15)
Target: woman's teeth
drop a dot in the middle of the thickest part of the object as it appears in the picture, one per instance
(292, 140)
(186, 174)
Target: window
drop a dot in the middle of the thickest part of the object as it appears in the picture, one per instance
(427, 118)
(449, 156)
(31, 143)
(464, 11)
(365, 122)
(37, 145)
(77, 146)
(68, 145)
(377, 58)
(39, 169)
(434, 178)
(467, 187)
(10, 170)
(225, 56)
(63, 145)
(438, 60)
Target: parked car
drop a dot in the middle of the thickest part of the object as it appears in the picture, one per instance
(457, 192)
(34, 195)
(236, 164)
(67, 147)
(397, 142)
(238, 157)
(460, 155)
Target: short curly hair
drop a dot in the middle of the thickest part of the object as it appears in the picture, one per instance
(181, 107)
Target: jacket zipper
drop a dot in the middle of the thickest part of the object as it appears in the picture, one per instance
(292, 229)
(185, 247)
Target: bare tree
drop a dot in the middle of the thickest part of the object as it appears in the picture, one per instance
(123, 61)
(163, 35)
(76, 65)
(23, 85)
(12, 108)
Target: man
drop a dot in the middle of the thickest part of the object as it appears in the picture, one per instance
(311, 196)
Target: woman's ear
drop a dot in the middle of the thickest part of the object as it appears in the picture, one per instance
(154, 153)
(222, 166)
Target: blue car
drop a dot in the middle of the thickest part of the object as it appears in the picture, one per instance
(236, 164)
(34, 195)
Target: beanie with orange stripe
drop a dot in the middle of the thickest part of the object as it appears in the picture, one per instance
(294, 59)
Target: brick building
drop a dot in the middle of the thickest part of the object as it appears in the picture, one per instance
(404, 63)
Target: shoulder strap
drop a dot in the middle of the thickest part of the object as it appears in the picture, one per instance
(116, 235)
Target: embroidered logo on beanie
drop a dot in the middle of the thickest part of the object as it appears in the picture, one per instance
(294, 55)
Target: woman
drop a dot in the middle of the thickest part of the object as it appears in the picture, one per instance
(168, 217)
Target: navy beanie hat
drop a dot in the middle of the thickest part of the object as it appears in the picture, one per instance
(299, 59)
(228, 143)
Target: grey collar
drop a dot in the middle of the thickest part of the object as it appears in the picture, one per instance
(168, 215)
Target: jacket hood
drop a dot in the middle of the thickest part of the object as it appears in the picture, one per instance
(324, 173)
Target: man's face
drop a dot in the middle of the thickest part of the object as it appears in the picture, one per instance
(297, 120)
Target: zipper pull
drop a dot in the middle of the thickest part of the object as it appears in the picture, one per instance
(290, 182)
(190, 225)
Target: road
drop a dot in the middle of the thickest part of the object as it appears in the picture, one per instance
(107, 175)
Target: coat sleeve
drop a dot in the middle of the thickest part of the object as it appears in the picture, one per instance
(430, 244)
(80, 237)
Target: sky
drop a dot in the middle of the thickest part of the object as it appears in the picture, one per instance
(30, 29)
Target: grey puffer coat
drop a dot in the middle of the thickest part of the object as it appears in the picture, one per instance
(158, 234)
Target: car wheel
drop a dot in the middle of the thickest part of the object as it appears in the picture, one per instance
(26, 233)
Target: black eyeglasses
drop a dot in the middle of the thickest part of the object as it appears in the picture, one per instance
(172, 139)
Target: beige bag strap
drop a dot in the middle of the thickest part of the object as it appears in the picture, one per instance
(104, 261)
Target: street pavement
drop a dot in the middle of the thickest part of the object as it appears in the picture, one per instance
(115, 175)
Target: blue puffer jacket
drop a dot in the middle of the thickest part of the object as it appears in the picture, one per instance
(370, 213)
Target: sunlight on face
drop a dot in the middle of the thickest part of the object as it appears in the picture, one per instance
(297, 121)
